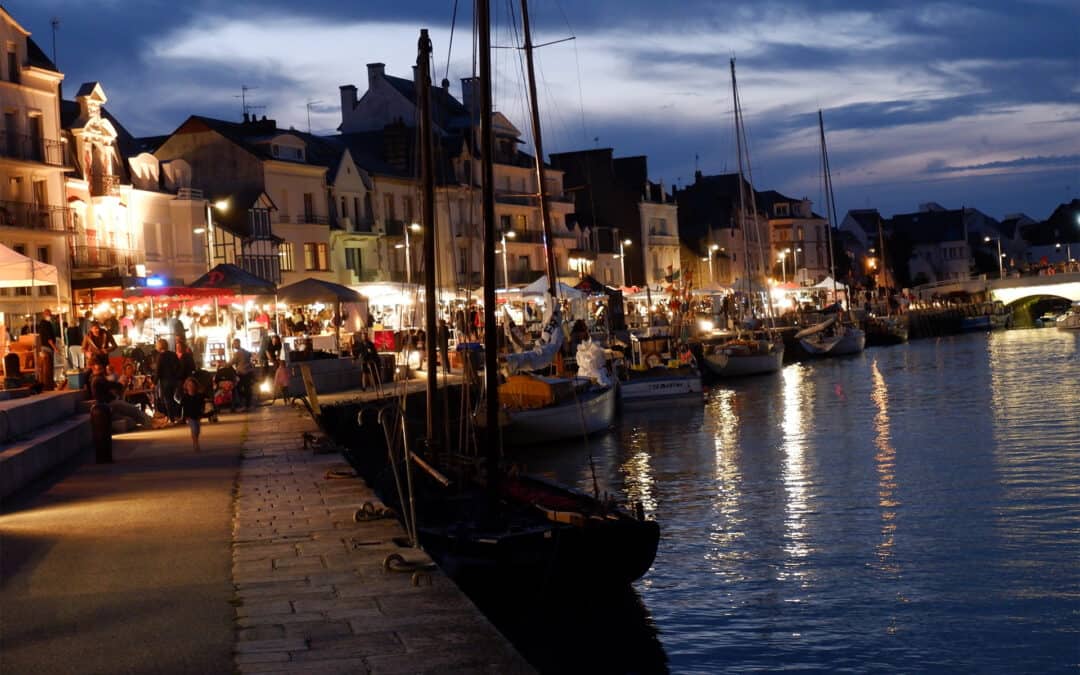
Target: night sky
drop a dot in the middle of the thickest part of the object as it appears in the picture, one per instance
(966, 104)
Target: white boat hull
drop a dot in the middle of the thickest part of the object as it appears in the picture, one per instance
(591, 412)
(659, 387)
(737, 365)
(852, 341)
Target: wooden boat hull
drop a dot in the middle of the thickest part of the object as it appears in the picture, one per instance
(885, 331)
(1070, 321)
(738, 365)
(588, 413)
(646, 387)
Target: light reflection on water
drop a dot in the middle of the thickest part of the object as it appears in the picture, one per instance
(915, 508)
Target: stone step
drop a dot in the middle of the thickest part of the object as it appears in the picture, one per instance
(30, 457)
(21, 417)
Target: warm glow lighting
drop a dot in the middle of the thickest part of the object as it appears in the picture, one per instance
(707, 325)
(627, 242)
(415, 227)
(199, 230)
(265, 387)
(222, 205)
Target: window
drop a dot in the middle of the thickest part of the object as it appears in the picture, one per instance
(388, 208)
(523, 263)
(260, 223)
(275, 150)
(285, 253)
(21, 250)
(353, 259)
(782, 210)
(13, 65)
(463, 260)
(37, 139)
(407, 209)
(43, 256)
(504, 223)
(283, 207)
(521, 222)
(344, 208)
(356, 210)
(315, 257)
(309, 207)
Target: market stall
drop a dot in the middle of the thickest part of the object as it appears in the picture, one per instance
(230, 280)
(350, 312)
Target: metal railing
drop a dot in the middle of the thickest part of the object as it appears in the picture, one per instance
(35, 216)
(104, 185)
(83, 256)
(310, 218)
(31, 149)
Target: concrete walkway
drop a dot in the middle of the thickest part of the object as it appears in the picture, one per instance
(243, 558)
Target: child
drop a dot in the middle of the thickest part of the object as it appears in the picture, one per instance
(192, 402)
(281, 382)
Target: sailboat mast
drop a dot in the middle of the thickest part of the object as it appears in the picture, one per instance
(427, 171)
(742, 199)
(830, 207)
(487, 198)
(545, 206)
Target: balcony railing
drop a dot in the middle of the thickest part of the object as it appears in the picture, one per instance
(102, 185)
(35, 216)
(83, 257)
(311, 218)
(31, 149)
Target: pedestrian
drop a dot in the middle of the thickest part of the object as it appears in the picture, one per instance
(245, 375)
(97, 344)
(281, 382)
(47, 336)
(167, 375)
(192, 402)
(444, 345)
(365, 351)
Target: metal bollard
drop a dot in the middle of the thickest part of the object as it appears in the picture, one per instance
(101, 432)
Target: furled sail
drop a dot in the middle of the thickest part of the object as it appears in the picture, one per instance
(543, 352)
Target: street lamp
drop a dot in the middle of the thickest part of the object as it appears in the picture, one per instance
(795, 262)
(783, 263)
(622, 257)
(408, 264)
(1001, 268)
(223, 206)
(506, 270)
(712, 249)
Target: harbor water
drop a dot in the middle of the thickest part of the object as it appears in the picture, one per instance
(912, 509)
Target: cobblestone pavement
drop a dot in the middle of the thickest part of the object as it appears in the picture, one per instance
(312, 594)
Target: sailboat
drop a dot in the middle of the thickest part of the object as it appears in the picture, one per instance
(539, 409)
(747, 352)
(485, 526)
(834, 336)
(891, 329)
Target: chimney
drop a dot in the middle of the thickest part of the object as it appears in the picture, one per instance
(348, 100)
(468, 91)
(446, 85)
(375, 72)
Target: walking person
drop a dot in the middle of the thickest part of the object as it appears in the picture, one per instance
(245, 375)
(443, 332)
(167, 375)
(192, 403)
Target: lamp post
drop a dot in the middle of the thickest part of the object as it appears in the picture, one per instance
(506, 270)
(783, 264)
(221, 205)
(712, 249)
(795, 262)
(1001, 268)
(622, 257)
(415, 227)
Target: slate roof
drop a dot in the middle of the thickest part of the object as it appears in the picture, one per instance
(447, 112)
(36, 57)
(710, 202)
(930, 227)
(867, 219)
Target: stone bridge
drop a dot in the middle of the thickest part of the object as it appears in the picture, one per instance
(1011, 290)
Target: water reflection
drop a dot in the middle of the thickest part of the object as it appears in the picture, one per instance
(794, 474)
(726, 523)
(885, 462)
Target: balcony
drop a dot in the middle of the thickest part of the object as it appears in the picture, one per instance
(516, 198)
(104, 186)
(28, 148)
(309, 218)
(35, 216)
(86, 257)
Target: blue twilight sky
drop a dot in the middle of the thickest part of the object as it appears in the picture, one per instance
(962, 103)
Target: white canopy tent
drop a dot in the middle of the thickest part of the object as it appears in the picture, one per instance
(540, 287)
(20, 271)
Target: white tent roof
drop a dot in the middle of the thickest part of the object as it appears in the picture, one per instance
(827, 282)
(17, 270)
(540, 287)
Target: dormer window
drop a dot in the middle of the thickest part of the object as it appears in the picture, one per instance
(782, 210)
